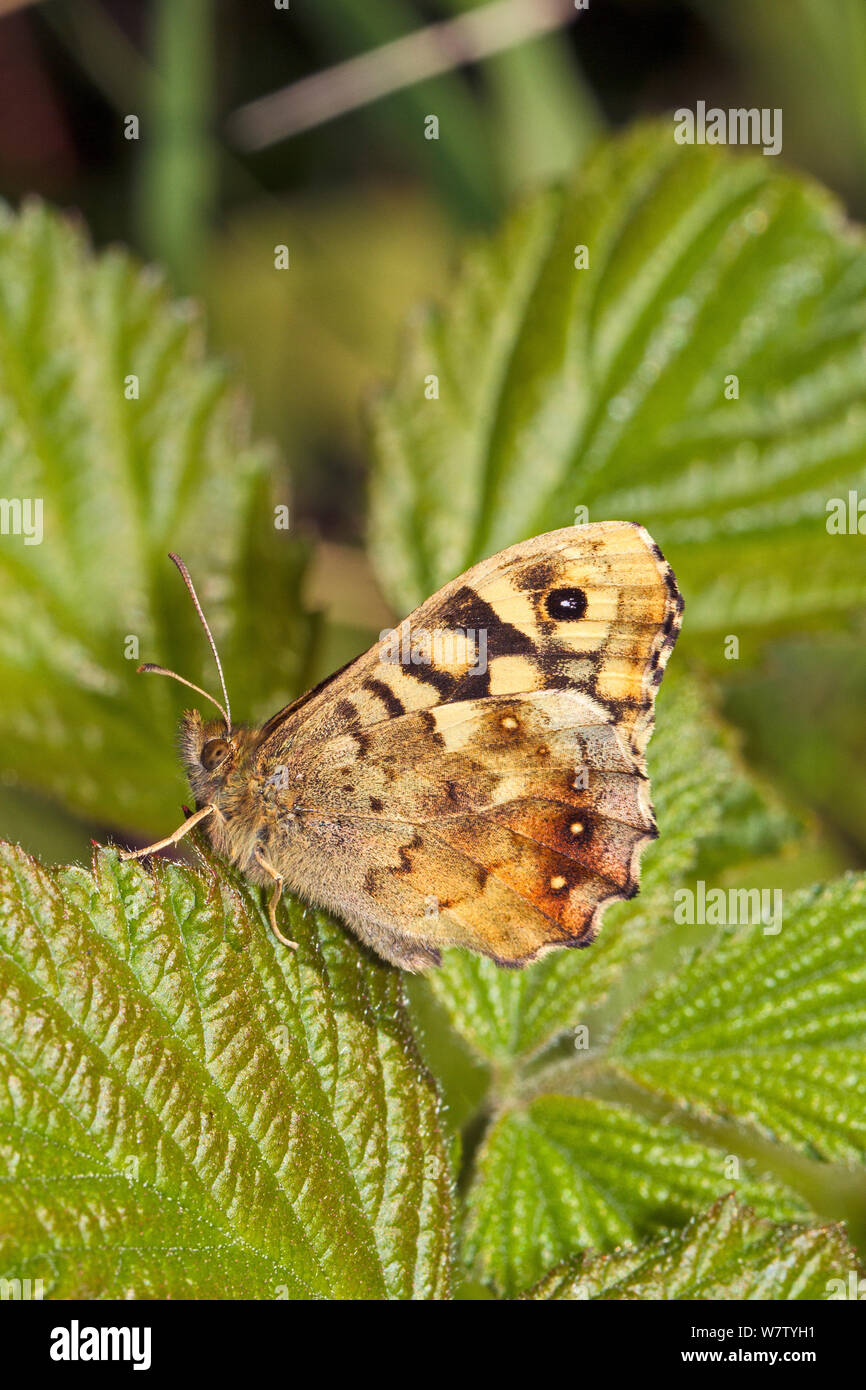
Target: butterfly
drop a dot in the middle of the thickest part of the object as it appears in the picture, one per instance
(477, 778)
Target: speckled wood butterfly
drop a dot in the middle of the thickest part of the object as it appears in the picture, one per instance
(477, 778)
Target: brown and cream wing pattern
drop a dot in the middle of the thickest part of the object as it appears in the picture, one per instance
(477, 778)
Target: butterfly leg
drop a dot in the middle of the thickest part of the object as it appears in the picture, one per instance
(171, 839)
(275, 898)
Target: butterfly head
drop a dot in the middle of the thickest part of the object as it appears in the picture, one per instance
(209, 753)
(209, 749)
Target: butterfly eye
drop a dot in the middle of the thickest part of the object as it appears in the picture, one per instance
(213, 752)
(566, 604)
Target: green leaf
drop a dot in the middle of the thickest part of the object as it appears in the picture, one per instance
(121, 482)
(709, 813)
(567, 1172)
(754, 1046)
(725, 1253)
(605, 387)
(190, 1109)
(699, 1045)
(768, 1028)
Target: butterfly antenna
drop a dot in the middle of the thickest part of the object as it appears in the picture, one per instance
(148, 666)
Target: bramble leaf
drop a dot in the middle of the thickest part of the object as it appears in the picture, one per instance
(566, 1173)
(725, 1253)
(634, 1082)
(132, 443)
(754, 1046)
(702, 374)
(189, 1109)
(769, 1028)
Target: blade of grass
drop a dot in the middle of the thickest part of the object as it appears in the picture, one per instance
(178, 175)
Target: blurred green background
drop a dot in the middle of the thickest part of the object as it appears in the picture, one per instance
(374, 215)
